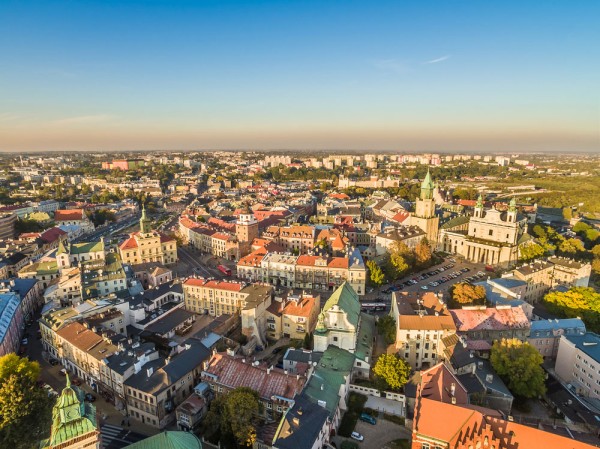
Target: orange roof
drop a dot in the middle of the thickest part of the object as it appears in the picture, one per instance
(490, 318)
(339, 196)
(219, 285)
(130, 243)
(80, 336)
(304, 307)
(186, 222)
(69, 215)
(464, 425)
(253, 258)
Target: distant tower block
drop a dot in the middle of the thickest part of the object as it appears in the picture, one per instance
(424, 216)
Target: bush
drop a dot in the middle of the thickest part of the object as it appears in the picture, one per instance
(349, 445)
(356, 404)
(393, 418)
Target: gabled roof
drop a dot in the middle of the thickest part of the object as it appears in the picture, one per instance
(346, 299)
(69, 215)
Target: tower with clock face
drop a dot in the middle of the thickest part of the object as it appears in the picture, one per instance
(73, 422)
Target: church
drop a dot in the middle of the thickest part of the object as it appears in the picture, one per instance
(490, 236)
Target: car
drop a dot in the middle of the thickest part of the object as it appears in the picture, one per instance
(51, 391)
(368, 418)
(76, 381)
(89, 397)
(386, 291)
(357, 436)
(465, 269)
(394, 288)
(53, 362)
(24, 341)
(63, 372)
(435, 284)
(481, 273)
(424, 287)
(276, 350)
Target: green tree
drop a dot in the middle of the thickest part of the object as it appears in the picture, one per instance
(231, 418)
(530, 252)
(596, 266)
(567, 213)
(571, 246)
(539, 231)
(580, 227)
(376, 275)
(398, 266)
(519, 365)
(581, 302)
(596, 251)
(423, 252)
(24, 407)
(387, 327)
(393, 370)
(466, 294)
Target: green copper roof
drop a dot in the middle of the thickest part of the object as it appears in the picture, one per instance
(427, 187)
(71, 417)
(346, 299)
(364, 342)
(169, 440)
(512, 206)
(329, 375)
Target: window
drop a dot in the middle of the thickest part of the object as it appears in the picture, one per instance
(491, 232)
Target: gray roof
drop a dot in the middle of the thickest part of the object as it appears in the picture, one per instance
(588, 343)
(169, 321)
(301, 425)
(303, 356)
(547, 328)
(509, 282)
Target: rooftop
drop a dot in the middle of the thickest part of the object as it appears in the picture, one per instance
(488, 318)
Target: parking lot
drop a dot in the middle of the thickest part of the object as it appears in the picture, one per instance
(378, 435)
(438, 278)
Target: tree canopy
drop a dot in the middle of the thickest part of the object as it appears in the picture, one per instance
(423, 252)
(376, 275)
(231, 418)
(519, 365)
(24, 407)
(463, 294)
(387, 327)
(531, 252)
(581, 302)
(393, 370)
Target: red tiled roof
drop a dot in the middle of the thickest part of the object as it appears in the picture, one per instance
(253, 258)
(131, 242)
(490, 318)
(69, 215)
(219, 285)
(52, 234)
(233, 372)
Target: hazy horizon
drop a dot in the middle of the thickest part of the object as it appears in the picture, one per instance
(514, 76)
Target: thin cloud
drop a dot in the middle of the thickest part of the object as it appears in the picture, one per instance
(84, 119)
(7, 116)
(392, 65)
(436, 60)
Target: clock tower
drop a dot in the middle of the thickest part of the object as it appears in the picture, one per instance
(424, 216)
(74, 423)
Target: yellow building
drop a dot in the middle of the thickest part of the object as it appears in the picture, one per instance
(148, 245)
(293, 317)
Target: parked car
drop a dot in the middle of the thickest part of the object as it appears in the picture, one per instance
(368, 418)
(53, 362)
(357, 436)
(63, 372)
(24, 341)
(424, 287)
(89, 397)
(76, 381)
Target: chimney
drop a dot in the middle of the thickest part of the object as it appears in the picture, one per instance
(149, 371)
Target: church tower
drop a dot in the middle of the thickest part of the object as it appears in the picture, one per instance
(424, 216)
(145, 225)
(73, 422)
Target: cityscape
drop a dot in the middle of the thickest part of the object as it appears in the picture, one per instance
(299, 225)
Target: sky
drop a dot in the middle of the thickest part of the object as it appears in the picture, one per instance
(376, 75)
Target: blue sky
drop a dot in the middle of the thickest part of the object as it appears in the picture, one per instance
(412, 76)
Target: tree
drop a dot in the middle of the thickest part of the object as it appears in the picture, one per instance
(307, 344)
(539, 231)
(387, 328)
(423, 252)
(596, 251)
(581, 302)
(376, 273)
(24, 408)
(398, 266)
(571, 246)
(393, 370)
(530, 252)
(230, 419)
(519, 365)
(467, 294)
(581, 227)
(567, 213)
(596, 266)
